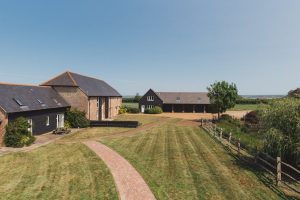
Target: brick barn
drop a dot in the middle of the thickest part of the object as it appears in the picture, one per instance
(95, 97)
(190, 102)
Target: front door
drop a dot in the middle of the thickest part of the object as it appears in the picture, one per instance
(60, 120)
(142, 108)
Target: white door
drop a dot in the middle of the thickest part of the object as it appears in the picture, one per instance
(142, 108)
(60, 121)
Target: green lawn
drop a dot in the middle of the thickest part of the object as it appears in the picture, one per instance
(241, 107)
(132, 105)
(177, 161)
(142, 118)
(182, 162)
(65, 171)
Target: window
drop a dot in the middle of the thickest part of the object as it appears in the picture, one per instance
(47, 121)
(39, 101)
(177, 99)
(30, 123)
(150, 106)
(150, 98)
(18, 101)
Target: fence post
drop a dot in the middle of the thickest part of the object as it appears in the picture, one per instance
(229, 139)
(221, 134)
(278, 169)
(239, 147)
(202, 122)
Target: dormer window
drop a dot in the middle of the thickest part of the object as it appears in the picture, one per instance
(18, 101)
(199, 99)
(177, 99)
(150, 98)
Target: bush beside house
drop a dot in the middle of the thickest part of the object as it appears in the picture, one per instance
(76, 119)
(17, 133)
(155, 110)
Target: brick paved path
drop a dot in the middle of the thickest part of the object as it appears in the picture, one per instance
(129, 183)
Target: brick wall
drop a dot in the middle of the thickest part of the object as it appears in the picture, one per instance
(94, 110)
(75, 97)
(114, 106)
(4, 122)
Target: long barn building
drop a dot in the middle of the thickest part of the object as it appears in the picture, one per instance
(191, 102)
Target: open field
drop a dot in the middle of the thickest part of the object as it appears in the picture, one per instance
(66, 171)
(183, 162)
(132, 105)
(240, 107)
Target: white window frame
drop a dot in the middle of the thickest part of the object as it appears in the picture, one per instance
(30, 122)
(150, 98)
(98, 102)
(150, 106)
(47, 121)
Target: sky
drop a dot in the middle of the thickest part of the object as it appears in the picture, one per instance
(166, 45)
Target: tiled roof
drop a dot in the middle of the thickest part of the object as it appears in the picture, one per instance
(90, 86)
(20, 98)
(184, 97)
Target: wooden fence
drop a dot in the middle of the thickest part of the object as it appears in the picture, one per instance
(282, 172)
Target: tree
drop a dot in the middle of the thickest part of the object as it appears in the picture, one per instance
(281, 120)
(223, 95)
(137, 98)
(294, 93)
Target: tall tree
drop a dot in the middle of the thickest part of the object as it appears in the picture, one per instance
(223, 95)
(294, 93)
(137, 98)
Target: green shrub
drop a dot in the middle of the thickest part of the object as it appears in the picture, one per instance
(77, 119)
(67, 124)
(123, 110)
(132, 110)
(17, 134)
(155, 110)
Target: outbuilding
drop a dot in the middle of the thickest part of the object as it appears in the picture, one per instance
(42, 106)
(190, 102)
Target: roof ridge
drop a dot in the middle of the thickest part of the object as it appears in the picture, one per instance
(20, 84)
(87, 76)
(65, 72)
(73, 80)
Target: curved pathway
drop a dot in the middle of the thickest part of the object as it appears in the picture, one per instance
(129, 183)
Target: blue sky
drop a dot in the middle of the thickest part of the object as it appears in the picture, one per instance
(167, 45)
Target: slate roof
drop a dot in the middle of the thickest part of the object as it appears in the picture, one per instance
(19, 98)
(90, 86)
(184, 97)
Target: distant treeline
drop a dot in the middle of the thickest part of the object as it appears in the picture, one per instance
(134, 99)
(253, 101)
